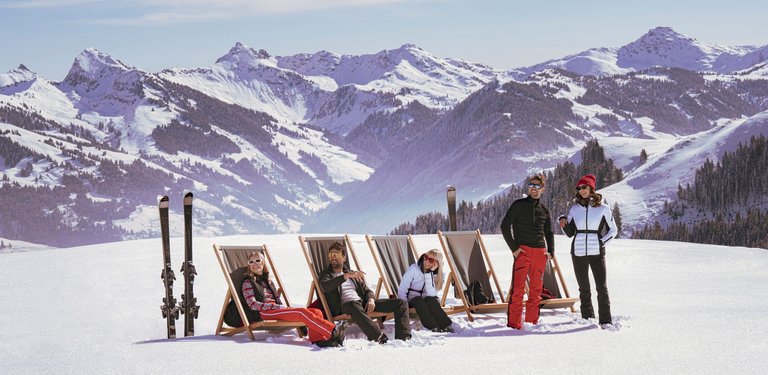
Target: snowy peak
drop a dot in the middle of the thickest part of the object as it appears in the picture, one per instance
(92, 63)
(666, 47)
(94, 69)
(396, 64)
(660, 46)
(321, 63)
(411, 53)
(18, 75)
(243, 57)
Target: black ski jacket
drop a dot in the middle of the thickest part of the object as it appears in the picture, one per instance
(331, 286)
(528, 223)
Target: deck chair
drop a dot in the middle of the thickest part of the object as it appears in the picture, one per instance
(551, 283)
(468, 262)
(234, 262)
(393, 255)
(316, 252)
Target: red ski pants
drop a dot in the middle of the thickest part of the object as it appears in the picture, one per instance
(318, 327)
(530, 264)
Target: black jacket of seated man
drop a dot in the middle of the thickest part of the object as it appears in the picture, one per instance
(331, 286)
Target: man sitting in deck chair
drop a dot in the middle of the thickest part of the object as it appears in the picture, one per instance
(347, 293)
(264, 301)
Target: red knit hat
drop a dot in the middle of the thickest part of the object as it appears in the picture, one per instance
(588, 179)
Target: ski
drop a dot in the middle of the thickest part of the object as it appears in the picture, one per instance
(451, 194)
(188, 303)
(168, 308)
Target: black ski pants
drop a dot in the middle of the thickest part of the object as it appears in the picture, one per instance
(581, 266)
(389, 305)
(430, 313)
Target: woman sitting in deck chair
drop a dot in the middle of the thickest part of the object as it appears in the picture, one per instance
(418, 289)
(264, 300)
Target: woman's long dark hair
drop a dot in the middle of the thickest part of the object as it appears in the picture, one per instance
(594, 199)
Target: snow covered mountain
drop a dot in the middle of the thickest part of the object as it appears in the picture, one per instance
(339, 142)
(502, 133)
(16, 76)
(102, 144)
(672, 162)
(661, 46)
(335, 92)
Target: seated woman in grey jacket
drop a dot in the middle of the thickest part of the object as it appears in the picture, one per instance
(418, 289)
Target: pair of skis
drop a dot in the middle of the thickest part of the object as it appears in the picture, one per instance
(188, 305)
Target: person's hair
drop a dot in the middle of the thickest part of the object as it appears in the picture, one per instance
(538, 176)
(594, 199)
(338, 246)
(433, 253)
(264, 271)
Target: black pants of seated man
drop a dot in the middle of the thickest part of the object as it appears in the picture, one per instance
(430, 313)
(391, 305)
(581, 267)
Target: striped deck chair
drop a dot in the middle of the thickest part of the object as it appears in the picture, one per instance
(234, 265)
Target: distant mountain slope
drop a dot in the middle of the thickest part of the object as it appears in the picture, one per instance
(661, 46)
(323, 141)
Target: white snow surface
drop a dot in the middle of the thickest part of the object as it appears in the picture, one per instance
(677, 308)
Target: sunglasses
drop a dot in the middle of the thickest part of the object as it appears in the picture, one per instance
(253, 261)
(429, 259)
(582, 187)
(534, 186)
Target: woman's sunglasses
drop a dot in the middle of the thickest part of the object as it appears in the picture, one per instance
(582, 187)
(429, 259)
(253, 261)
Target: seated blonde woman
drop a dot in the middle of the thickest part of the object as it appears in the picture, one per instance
(418, 289)
(264, 300)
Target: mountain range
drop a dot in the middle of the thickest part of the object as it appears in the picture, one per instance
(326, 142)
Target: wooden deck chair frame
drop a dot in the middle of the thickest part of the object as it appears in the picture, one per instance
(315, 287)
(556, 303)
(455, 279)
(226, 263)
(388, 283)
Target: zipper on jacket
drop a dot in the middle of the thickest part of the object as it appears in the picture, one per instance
(586, 235)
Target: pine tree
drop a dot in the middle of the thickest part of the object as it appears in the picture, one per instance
(617, 218)
(643, 156)
(725, 193)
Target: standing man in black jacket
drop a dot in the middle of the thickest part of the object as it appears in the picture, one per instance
(346, 292)
(527, 229)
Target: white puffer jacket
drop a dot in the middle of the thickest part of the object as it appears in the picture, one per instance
(591, 228)
(416, 284)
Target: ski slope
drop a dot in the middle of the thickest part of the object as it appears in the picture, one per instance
(678, 308)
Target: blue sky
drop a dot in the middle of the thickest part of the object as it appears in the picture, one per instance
(46, 35)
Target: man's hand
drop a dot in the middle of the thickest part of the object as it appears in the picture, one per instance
(371, 305)
(357, 275)
(549, 256)
(517, 252)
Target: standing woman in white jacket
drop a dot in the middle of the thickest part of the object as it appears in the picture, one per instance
(418, 289)
(590, 223)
